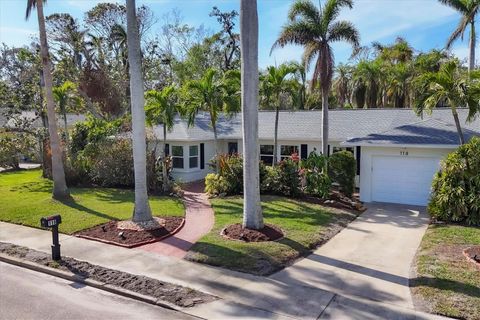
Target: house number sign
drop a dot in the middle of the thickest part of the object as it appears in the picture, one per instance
(404, 153)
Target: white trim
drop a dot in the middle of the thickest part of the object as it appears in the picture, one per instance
(428, 146)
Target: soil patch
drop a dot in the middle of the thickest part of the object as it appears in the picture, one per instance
(178, 295)
(473, 255)
(129, 234)
(237, 232)
(338, 200)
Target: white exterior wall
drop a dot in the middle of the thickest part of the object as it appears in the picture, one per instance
(192, 174)
(369, 152)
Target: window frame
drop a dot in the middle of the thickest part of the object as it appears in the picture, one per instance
(284, 156)
(262, 155)
(197, 156)
(177, 157)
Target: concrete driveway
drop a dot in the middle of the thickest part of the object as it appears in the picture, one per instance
(370, 259)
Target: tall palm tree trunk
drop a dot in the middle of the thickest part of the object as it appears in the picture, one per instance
(215, 142)
(60, 190)
(252, 210)
(471, 57)
(324, 126)
(164, 159)
(275, 138)
(142, 210)
(457, 125)
(65, 125)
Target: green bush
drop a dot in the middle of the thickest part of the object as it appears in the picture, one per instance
(342, 170)
(215, 184)
(13, 146)
(230, 167)
(283, 179)
(316, 181)
(456, 187)
(112, 165)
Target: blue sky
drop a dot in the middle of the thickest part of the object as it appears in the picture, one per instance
(426, 24)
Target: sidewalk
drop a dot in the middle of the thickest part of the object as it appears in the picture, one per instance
(243, 296)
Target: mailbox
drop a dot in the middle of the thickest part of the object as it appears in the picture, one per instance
(52, 221)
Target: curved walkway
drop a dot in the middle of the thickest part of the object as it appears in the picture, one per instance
(199, 220)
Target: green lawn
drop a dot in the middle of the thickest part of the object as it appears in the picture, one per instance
(25, 197)
(305, 226)
(446, 282)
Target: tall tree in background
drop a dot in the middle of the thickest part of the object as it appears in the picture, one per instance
(316, 29)
(142, 210)
(161, 108)
(60, 190)
(65, 97)
(452, 85)
(468, 9)
(276, 80)
(252, 209)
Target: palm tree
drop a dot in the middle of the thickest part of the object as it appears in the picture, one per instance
(252, 209)
(301, 77)
(161, 108)
(468, 9)
(365, 76)
(142, 210)
(64, 96)
(342, 84)
(316, 29)
(276, 80)
(60, 190)
(213, 94)
(454, 87)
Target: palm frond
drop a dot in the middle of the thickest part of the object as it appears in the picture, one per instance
(304, 9)
(299, 32)
(457, 5)
(331, 10)
(457, 33)
(344, 31)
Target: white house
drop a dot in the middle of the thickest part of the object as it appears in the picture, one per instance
(397, 152)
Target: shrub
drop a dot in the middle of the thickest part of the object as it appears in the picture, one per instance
(342, 169)
(12, 147)
(230, 167)
(456, 187)
(316, 181)
(215, 184)
(283, 179)
(112, 164)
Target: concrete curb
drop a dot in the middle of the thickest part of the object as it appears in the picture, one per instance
(89, 282)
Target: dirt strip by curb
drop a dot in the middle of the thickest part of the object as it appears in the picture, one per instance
(89, 282)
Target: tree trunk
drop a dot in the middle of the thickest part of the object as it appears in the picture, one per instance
(60, 190)
(142, 210)
(275, 138)
(471, 57)
(65, 124)
(215, 141)
(324, 126)
(459, 128)
(164, 160)
(252, 210)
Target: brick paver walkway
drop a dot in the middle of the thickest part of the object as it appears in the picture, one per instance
(199, 219)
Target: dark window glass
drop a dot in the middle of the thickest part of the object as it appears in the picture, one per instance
(177, 151)
(288, 150)
(177, 162)
(193, 162)
(266, 149)
(267, 159)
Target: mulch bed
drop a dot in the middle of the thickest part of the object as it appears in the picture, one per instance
(339, 201)
(473, 255)
(178, 295)
(110, 233)
(268, 233)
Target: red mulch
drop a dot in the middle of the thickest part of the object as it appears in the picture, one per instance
(474, 254)
(267, 233)
(109, 233)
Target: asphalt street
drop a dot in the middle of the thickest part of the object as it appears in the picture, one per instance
(26, 294)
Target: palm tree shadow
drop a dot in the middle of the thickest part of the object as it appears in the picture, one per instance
(75, 205)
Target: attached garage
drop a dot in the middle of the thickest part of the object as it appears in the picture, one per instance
(402, 179)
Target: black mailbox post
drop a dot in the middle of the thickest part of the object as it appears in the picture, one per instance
(53, 222)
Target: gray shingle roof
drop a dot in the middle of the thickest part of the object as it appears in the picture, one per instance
(72, 118)
(425, 132)
(305, 125)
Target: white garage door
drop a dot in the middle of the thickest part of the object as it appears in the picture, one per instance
(402, 179)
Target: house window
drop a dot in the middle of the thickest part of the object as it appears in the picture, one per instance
(266, 153)
(287, 151)
(232, 147)
(177, 157)
(337, 149)
(193, 157)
